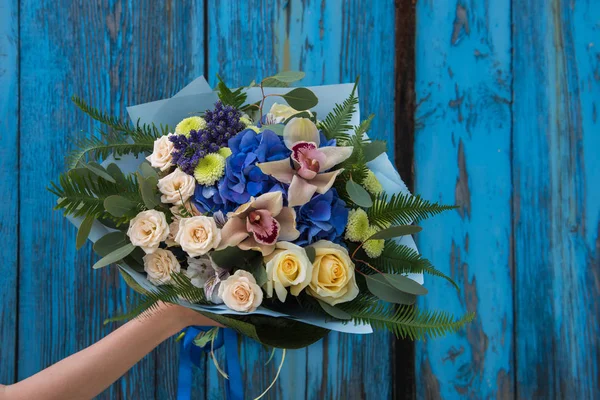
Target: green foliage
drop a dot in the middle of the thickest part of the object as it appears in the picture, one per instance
(402, 209)
(180, 288)
(407, 321)
(395, 231)
(97, 149)
(337, 123)
(301, 99)
(235, 98)
(82, 194)
(358, 194)
(400, 259)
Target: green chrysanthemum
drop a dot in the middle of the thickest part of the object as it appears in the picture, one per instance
(210, 169)
(254, 128)
(188, 124)
(358, 225)
(371, 183)
(246, 121)
(373, 248)
(224, 152)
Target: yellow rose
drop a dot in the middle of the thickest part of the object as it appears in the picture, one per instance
(333, 278)
(287, 266)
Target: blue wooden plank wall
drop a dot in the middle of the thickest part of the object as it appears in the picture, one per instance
(507, 95)
(506, 126)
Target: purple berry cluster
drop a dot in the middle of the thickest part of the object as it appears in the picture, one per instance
(222, 124)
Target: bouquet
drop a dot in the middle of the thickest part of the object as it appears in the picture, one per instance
(266, 208)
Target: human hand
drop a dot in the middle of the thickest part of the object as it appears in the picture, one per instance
(180, 316)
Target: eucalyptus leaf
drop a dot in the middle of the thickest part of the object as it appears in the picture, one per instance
(334, 311)
(98, 170)
(148, 191)
(386, 291)
(288, 76)
(358, 194)
(374, 149)
(395, 231)
(115, 256)
(114, 171)
(258, 271)
(276, 128)
(84, 231)
(110, 242)
(406, 284)
(301, 99)
(303, 114)
(272, 82)
(118, 206)
(147, 170)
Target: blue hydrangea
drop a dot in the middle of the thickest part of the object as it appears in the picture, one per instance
(324, 217)
(222, 124)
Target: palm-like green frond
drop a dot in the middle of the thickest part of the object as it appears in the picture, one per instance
(179, 288)
(400, 259)
(235, 98)
(408, 321)
(97, 149)
(402, 209)
(337, 123)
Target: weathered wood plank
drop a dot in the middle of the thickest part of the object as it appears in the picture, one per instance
(9, 171)
(100, 51)
(462, 155)
(556, 200)
(332, 41)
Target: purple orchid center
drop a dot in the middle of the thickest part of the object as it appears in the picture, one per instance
(308, 159)
(263, 226)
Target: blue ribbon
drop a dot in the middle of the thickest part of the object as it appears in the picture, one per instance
(191, 354)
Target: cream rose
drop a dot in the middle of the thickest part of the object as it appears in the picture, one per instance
(287, 266)
(240, 292)
(176, 187)
(333, 278)
(148, 229)
(161, 154)
(198, 235)
(160, 265)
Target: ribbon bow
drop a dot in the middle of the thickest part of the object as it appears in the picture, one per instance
(191, 354)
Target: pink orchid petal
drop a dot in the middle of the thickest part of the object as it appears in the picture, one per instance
(233, 232)
(300, 130)
(264, 227)
(306, 173)
(251, 244)
(300, 191)
(323, 182)
(280, 170)
(272, 202)
(287, 223)
(334, 155)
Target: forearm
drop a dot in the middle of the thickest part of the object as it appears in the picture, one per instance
(87, 373)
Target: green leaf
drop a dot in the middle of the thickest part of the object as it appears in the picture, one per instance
(358, 194)
(84, 231)
(311, 253)
(148, 191)
(272, 82)
(301, 99)
(98, 170)
(386, 291)
(114, 171)
(337, 123)
(235, 98)
(276, 128)
(147, 170)
(406, 284)
(395, 231)
(373, 149)
(118, 205)
(288, 76)
(110, 242)
(115, 256)
(233, 256)
(258, 271)
(303, 114)
(334, 311)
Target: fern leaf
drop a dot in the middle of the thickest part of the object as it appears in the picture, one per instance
(235, 98)
(98, 149)
(337, 123)
(402, 209)
(408, 321)
(400, 259)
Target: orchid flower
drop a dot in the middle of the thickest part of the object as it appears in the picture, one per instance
(259, 224)
(305, 172)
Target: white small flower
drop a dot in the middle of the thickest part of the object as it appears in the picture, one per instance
(240, 292)
(148, 229)
(203, 273)
(176, 187)
(160, 265)
(198, 235)
(279, 113)
(161, 155)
